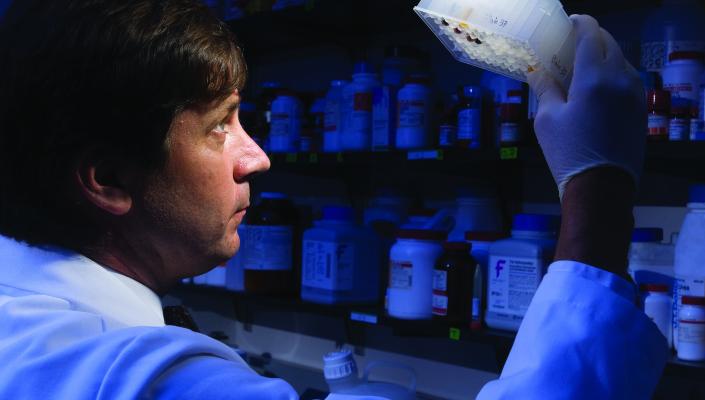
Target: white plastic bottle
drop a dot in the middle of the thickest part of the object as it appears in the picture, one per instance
(650, 260)
(690, 254)
(658, 305)
(334, 117)
(414, 114)
(691, 333)
(341, 260)
(411, 263)
(682, 76)
(340, 372)
(357, 109)
(475, 211)
(287, 113)
(516, 267)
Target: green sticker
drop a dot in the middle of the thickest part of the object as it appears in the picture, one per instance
(509, 153)
(291, 157)
(339, 157)
(313, 158)
(454, 334)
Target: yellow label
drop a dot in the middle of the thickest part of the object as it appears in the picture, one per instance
(509, 153)
(454, 334)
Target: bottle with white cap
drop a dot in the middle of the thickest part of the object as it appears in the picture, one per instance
(340, 371)
(689, 263)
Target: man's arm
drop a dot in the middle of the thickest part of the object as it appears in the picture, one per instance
(597, 219)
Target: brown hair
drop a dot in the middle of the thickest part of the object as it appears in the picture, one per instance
(104, 76)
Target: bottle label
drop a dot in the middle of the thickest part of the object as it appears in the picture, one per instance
(383, 112)
(267, 248)
(658, 125)
(440, 281)
(362, 101)
(401, 274)
(469, 125)
(440, 304)
(509, 132)
(679, 129)
(447, 135)
(328, 265)
(512, 283)
(331, 120)
(412, 114)
(692, 332)
(684, 286)
(696, 125)
(654, 55)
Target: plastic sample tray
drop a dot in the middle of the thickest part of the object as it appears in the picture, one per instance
(510, 37)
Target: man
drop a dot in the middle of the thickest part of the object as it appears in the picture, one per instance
(124, 168)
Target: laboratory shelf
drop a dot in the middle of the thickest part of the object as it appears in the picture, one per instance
(369, 326)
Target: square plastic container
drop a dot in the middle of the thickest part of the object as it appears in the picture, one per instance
(509, 37)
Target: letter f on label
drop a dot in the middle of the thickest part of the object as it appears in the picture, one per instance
(499, 267)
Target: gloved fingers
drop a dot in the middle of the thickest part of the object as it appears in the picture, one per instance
(614, 56)
(589, 46)
(547, 89)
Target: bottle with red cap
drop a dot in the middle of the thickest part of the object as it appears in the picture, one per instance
(411, 264)
(659, 108)
(691, 331)
(658, 305)
(453, 282)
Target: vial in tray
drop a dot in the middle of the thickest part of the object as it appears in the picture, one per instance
(510, 37)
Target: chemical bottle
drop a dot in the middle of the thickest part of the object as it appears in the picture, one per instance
(658, 306)
(312, 129)
(269, 245)
(691, 332)
(357, 109)
(268, 92)
(511, 120)
(679, 25)
(659, 109)
(411, 263)
(334, 117)
(476, 210)
(516, 268)
(448, 127)
(480, 250)
(287, 114)
(341, 260)
(679, 126)
(682, 76)
(398, 62)
(235, 271)
(453, 283)
(650, 260)
(470, 118)
(340, 372)
(689, 263)
(414, 107)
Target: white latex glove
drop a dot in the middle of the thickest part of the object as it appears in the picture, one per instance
(602, 119)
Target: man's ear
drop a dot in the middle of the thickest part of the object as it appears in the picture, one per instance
(102, 181)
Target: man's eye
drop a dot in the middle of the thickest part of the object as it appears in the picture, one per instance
(221, 127)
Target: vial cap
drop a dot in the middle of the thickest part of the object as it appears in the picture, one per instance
(484, 236)
(338, 213)
(647, 235)
(339, 364)
(536, 222)
(697, 194)
(273, 195)
(422, 234)
(686, 55)
(339, 83)
(271, 85)
(457, 246)
(693, 300)
(656, 288)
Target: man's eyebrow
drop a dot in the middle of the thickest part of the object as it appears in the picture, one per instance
(233, 106)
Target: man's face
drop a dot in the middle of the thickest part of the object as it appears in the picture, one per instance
(192, 208)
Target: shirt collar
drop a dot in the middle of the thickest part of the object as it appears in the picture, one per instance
(88, 286)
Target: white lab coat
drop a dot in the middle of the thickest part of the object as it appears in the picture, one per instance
(71, 329)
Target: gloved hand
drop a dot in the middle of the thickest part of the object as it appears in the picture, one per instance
(602, 119)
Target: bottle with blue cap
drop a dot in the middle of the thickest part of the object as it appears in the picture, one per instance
(357, 109)
(470, 118)
(516, 267)
(689, 263)
(341, 260)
